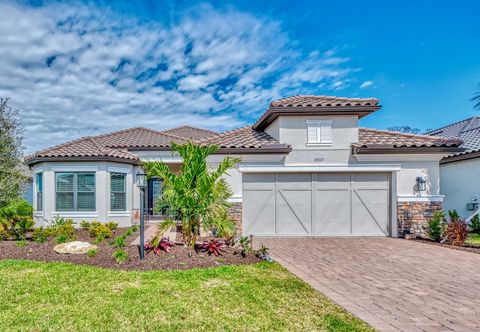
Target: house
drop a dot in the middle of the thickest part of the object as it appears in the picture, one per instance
(307, 169)
(459, 172)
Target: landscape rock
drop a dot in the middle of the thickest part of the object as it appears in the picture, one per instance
(75, 247)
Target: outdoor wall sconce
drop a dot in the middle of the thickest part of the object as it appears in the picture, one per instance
(421, 184)
(141, 181)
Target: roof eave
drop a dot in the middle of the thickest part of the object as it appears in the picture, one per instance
(274, 112)
(37, 160)
(460, 157)
(410, 150)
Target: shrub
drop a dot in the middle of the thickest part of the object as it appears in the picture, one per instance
(85, 225)
(435, 228)
(226, 230)
(119, 241)
(212, 247)
(91, 253)
(112, 225)
(16, 219)
(4, 235)
(40, 235)
(262, 253)
(100, 232)
(453, 214)
(120, 256)
(156, 246)
(61, 238)
(246, 244)
(457, 232)
(21, 243)
(475, 224)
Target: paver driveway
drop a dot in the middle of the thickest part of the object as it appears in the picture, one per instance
(392, 284)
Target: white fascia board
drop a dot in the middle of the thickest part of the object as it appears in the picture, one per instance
(115, 169)
(423, 198)
(244, 168)
(164, 159)
(400, 157)
(75, 168)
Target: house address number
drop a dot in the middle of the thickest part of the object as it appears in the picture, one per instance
(318, 159)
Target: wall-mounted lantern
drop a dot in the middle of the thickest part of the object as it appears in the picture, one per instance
(421, 184)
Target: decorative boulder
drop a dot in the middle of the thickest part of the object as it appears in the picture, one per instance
(75, 247)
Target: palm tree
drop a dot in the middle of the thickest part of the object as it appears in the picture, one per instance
(476, 99)
(197, 195)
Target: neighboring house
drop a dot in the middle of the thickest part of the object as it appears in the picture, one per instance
(307, 169)
(459, 172)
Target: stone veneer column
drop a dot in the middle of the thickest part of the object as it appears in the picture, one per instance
(235, 212)
(421, 213)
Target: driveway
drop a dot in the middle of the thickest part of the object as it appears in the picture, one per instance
(392, 284)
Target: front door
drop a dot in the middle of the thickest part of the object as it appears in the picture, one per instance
(154, 192)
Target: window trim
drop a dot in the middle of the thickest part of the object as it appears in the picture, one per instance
(117, 192)
(39, 191)
(75, 192)
(318, 124)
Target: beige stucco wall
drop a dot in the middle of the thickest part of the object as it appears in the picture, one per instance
(459, 182)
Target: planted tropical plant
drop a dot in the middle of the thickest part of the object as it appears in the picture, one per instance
(156, 246)
(453, 214)
(196, 195)
(91, 253)
(435, 228)
(475, 224)
(120, 256)
(246, 244)
(16, 219)
(112, 225)
(100, 232)
(213, 247)
(119, 241)
(262, 253)
(457, 232)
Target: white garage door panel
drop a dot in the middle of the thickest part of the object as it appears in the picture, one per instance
(321, 204)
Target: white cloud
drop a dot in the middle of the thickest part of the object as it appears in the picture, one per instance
(77, 70)
(366, 84)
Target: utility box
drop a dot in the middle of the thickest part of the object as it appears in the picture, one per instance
(472, 206)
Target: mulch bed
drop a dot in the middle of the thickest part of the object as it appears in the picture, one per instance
(465, 247)
(178, 258)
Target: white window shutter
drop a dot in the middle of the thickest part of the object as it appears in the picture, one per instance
(312, 130)
(326, 131)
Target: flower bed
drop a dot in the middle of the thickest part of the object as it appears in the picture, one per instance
(179, 256)
(466, 247)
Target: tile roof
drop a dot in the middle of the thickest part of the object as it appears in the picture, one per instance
(392, 139)
(467, 130)
(322, 101)
(243, 138)
(191, 132)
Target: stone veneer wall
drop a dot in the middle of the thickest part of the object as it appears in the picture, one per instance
(235, 212)
(421, 213)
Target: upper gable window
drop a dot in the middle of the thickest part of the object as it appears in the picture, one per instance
(319, 132)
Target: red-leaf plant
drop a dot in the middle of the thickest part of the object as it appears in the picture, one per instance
(213, 247)
(164, 244)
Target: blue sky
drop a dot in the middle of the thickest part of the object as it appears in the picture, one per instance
(90, 67)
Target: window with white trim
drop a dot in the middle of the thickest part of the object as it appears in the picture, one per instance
(75, 191)
(39, 190)
(118, 200)
(319, 132)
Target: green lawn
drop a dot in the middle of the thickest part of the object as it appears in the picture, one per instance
(473, 239)
(37, 296)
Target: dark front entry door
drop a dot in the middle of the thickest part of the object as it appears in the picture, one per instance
(154, 191)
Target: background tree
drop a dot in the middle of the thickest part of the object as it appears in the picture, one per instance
(405, 129)
(12, 178)
(476, 99)
(197, 195)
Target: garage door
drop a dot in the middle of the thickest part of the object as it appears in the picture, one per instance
(320, 204)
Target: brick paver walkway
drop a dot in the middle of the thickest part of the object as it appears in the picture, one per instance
(392, 284)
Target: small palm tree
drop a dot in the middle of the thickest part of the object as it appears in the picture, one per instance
(197, 195)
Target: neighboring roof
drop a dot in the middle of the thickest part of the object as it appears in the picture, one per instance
(316, 105)
(191, 132)
(468, 131)
(381, 140)
(246, 138)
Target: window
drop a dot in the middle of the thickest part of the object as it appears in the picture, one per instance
(39, 190)
(117, 192)
(319, 132)
(75, 191)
